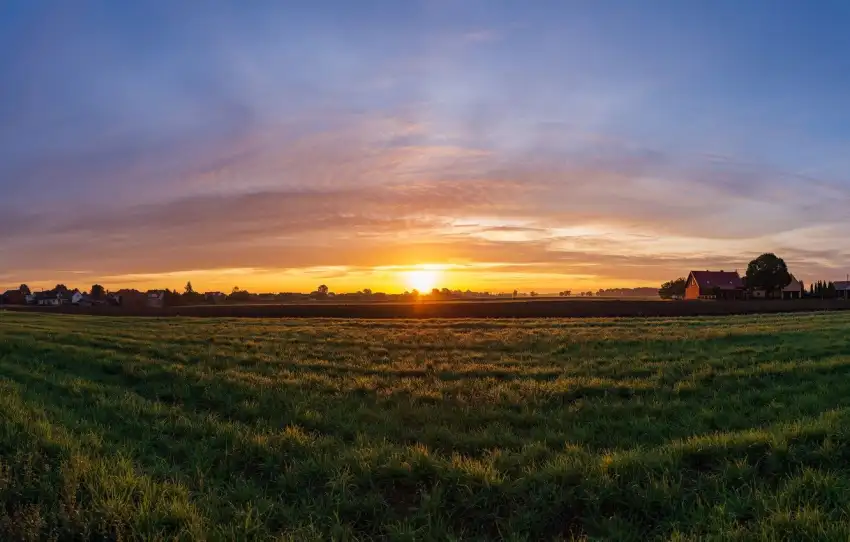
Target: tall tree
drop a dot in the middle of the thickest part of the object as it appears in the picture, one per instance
(322, 289)
(24, 289)
(673, 288)
(768, 272)
(97, 291)
(188, 290)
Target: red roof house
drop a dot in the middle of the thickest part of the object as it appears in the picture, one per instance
(714, 285)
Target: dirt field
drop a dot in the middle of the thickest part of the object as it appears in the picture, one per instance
(544, 308)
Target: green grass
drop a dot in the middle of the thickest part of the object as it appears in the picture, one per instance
(733, 428)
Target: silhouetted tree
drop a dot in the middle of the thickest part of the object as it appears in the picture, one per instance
(188, 290)
(60, 288)
(25, 289)
(322, 290)
(367, 291)
(673, 288)
(767, 272)
(97, 291)
(533, 294)
(515, 294)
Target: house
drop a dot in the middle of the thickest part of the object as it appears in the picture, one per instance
(82, 300)
(13, 297)
(714, 285)
(215, 297)
(842, 289)
(49, 298)
(128, 298)
(794, 290)
(155, 299)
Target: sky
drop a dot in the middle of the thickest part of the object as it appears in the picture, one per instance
(543, 145)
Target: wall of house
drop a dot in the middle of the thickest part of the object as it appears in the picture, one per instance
(692, 289)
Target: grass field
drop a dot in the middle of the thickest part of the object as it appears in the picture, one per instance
(227, 429)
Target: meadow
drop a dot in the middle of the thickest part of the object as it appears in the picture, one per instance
(726, 427)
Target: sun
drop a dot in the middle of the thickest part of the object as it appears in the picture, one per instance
(423, 280)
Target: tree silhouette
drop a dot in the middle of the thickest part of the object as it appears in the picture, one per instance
(322, 290)
(60, 288)
(673, 288)
(97, 291)
(767, 272)
(188, 290)
(24, 289)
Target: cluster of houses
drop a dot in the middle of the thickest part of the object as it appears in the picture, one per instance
(60, 296)
(49, 297)
(729, 285)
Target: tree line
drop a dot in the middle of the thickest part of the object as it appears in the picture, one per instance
(768, 272)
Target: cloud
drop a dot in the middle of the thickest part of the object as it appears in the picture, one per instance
(378, 191)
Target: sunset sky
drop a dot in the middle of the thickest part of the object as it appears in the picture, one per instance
(543, 145)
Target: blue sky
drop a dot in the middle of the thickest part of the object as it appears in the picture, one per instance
(566, 143)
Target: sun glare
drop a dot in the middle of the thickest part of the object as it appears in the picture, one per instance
(423, 280)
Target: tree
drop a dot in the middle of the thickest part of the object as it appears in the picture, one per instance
(322, 290)
(515, 294)
(60, 288)
(367, 292)
(673, 288)
(25, 289)
(97, 291)
(533, 294)
(767, 272)
(188, 290)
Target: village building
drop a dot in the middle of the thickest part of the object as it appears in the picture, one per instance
(714, 285)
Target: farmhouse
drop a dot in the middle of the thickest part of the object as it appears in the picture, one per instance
(215, 297)
(156, 299)
(794, 290)
(714, 285)
(842, 288)
(48, 298)
(13, 297)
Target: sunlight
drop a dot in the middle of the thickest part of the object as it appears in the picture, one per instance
(423, 280)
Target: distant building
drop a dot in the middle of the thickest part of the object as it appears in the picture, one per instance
(49, 298)
(842, 288)
(128, 298)
(13, 297)
(215, 297)
(794, 290)
(714, 285)
(156, 299)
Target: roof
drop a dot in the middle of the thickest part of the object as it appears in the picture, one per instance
(725, 280)
(11, 292)
(793, 286)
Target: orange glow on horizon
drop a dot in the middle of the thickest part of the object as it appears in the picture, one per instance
(423, 280)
